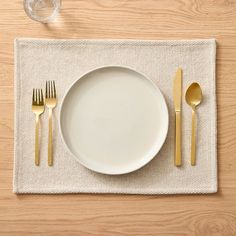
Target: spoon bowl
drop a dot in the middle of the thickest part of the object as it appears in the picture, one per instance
(193, 95)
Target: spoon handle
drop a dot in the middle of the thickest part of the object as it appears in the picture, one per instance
(193, 144)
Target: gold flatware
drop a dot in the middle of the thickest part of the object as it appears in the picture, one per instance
(38, 109)
(51, 102)
(193, 97)
(177, 91)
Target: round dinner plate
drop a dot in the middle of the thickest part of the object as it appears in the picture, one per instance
(114, 120)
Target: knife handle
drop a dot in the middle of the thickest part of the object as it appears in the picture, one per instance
(178, 138)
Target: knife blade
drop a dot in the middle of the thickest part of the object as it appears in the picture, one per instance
(177, 91)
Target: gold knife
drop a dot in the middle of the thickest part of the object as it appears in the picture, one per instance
(177, 102)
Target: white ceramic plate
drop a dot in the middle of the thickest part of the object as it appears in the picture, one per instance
(114, 120)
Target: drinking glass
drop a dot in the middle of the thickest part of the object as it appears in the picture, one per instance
(42, 10)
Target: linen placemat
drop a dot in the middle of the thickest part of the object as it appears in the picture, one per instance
(38, 60)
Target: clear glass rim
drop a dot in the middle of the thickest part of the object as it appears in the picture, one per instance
(43, 19)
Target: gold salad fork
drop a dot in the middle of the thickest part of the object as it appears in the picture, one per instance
(51, 102)
(38, 109)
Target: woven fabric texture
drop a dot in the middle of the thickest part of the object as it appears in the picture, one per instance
(38, 60)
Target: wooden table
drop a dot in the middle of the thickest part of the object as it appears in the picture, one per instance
(85, 214)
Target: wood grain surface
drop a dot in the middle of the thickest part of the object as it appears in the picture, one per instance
(85, 214)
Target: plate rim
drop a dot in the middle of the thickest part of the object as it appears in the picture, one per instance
(76, 157)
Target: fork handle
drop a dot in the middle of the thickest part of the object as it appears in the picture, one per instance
(50, 160)
(36, 160)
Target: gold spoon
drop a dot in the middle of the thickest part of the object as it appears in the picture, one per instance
(193, 97)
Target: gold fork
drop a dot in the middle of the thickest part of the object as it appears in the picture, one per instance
(51, 102)
(38, 109)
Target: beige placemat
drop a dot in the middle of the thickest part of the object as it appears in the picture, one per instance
(38, 60)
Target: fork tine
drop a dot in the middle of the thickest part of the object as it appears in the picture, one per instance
(46, 93)
(33, 97)
(49, 94)
(51, 90)
(37, 96)
(41, 96)
(54, 89)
